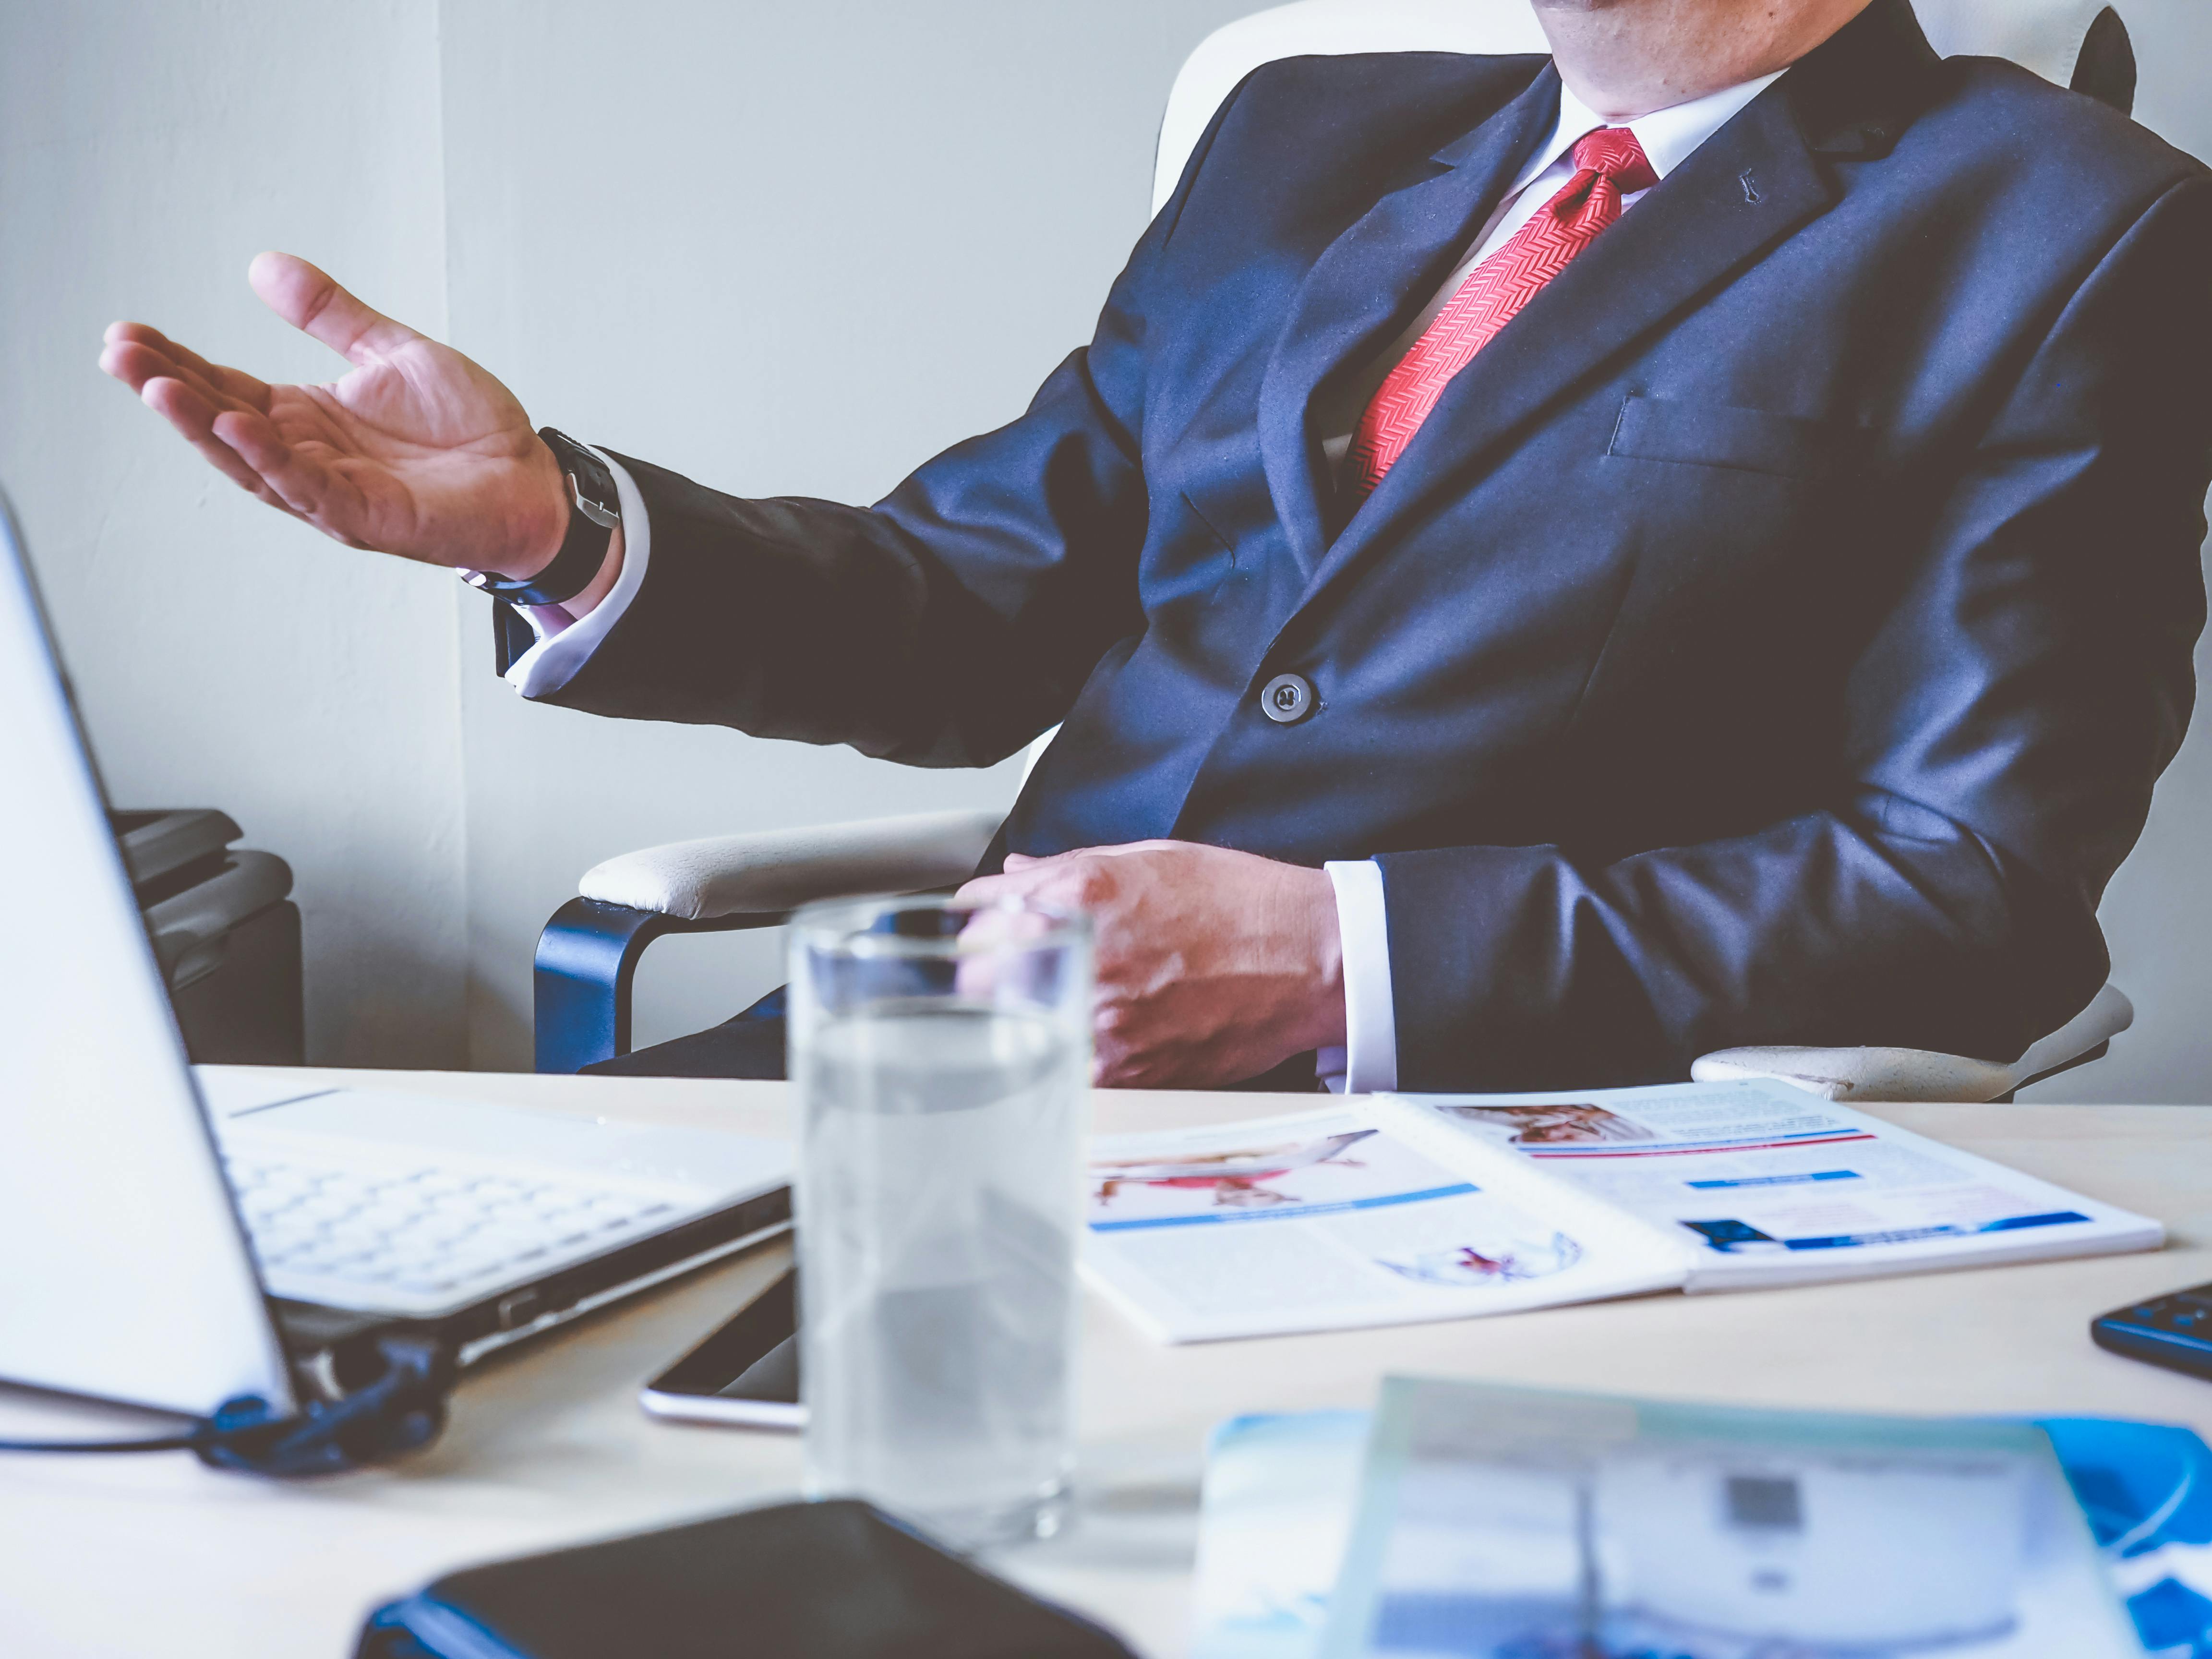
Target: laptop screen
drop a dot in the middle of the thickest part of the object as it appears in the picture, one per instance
(128, 1277)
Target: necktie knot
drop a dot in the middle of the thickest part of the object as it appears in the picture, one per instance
(1613, 153)
(1609, 165)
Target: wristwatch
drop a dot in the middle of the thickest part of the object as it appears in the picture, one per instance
(593, 511)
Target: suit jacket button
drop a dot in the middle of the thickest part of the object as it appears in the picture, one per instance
(1286, 699)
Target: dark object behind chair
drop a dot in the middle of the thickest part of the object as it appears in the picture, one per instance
(226, 933)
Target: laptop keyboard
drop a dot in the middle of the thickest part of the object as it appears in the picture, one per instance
(360, 1238)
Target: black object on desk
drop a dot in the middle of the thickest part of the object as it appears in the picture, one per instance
(746, 1374)
(2174, 1330)
(831, 1580)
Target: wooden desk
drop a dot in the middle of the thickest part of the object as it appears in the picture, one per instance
(140, 1556)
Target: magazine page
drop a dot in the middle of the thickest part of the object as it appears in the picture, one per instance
(1509, 1524)
(1280, 1489)
(1771, 1184)
(1321, 1221)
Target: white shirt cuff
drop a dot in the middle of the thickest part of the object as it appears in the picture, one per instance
(564, 644)
(1369, 1056)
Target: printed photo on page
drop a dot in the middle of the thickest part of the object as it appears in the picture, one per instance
(1773, 1183)
(1323, 1220)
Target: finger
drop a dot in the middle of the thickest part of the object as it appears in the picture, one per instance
(193, 417)
(1121, 1057)
(1046, 860)
(1027, 862)
(301, 482)
(988, 890)
(231, 382)
(135, 364)
(312, 302)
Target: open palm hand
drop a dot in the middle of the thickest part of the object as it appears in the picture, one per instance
(416, 451)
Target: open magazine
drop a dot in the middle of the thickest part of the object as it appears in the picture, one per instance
(1394, 1209)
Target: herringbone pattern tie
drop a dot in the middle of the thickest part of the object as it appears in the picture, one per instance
(1609, 164)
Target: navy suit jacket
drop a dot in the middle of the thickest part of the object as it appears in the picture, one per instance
(1773, 636)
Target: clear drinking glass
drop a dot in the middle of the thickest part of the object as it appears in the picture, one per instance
(941, 1056)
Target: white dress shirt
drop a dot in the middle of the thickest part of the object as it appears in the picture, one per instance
(1369, 1058)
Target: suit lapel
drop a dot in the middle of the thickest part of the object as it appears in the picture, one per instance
(1369, 281)
(1741, 191)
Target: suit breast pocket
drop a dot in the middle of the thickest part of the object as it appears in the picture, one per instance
(1234, 503)
(1213, 525)
(1684, 434)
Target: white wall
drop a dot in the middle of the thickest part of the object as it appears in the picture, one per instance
(227, 656)
(786, 249)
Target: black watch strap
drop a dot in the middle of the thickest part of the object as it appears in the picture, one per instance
(593, 513)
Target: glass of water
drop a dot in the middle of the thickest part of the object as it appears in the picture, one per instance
(941, 1055)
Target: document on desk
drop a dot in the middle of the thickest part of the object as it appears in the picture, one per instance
(1396, 1209)
(1771, 1185)
(1329, 1220)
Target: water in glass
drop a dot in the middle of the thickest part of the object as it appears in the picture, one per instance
(939, 1214)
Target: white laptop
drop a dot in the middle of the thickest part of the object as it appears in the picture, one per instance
(176, 1242)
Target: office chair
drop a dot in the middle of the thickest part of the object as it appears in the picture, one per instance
(588, 953)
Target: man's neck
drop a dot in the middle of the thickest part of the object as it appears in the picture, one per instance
(1626, 58)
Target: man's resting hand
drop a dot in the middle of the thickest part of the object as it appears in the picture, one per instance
(416, 451)
(1213, 966)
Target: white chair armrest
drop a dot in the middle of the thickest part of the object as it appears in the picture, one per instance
(1907, 1074)
(779, 870)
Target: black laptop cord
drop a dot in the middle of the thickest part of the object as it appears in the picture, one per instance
(401, 1408)
(164, 1443)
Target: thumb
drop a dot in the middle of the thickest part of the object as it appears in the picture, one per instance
(312, 302)
(1017, 861)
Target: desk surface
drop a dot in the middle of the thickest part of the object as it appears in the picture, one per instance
(146, 1555)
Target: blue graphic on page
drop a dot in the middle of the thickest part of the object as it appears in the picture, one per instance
(1779, 1179)
(1729, 1237)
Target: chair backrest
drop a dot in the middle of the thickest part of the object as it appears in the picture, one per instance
(2047, 36)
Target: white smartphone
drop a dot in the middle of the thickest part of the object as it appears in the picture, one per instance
(746, 1375)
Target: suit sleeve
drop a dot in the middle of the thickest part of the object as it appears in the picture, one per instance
(945, 626)
(2002, 731)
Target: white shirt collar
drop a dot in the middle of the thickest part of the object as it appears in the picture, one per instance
(1668, 135)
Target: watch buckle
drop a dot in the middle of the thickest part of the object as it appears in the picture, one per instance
(606, 516)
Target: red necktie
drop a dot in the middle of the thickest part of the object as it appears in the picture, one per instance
(1609, 164)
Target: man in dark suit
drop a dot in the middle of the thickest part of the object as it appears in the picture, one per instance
(1548, 567)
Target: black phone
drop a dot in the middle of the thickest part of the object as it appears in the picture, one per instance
(2174, 1330)
(746, 1374)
